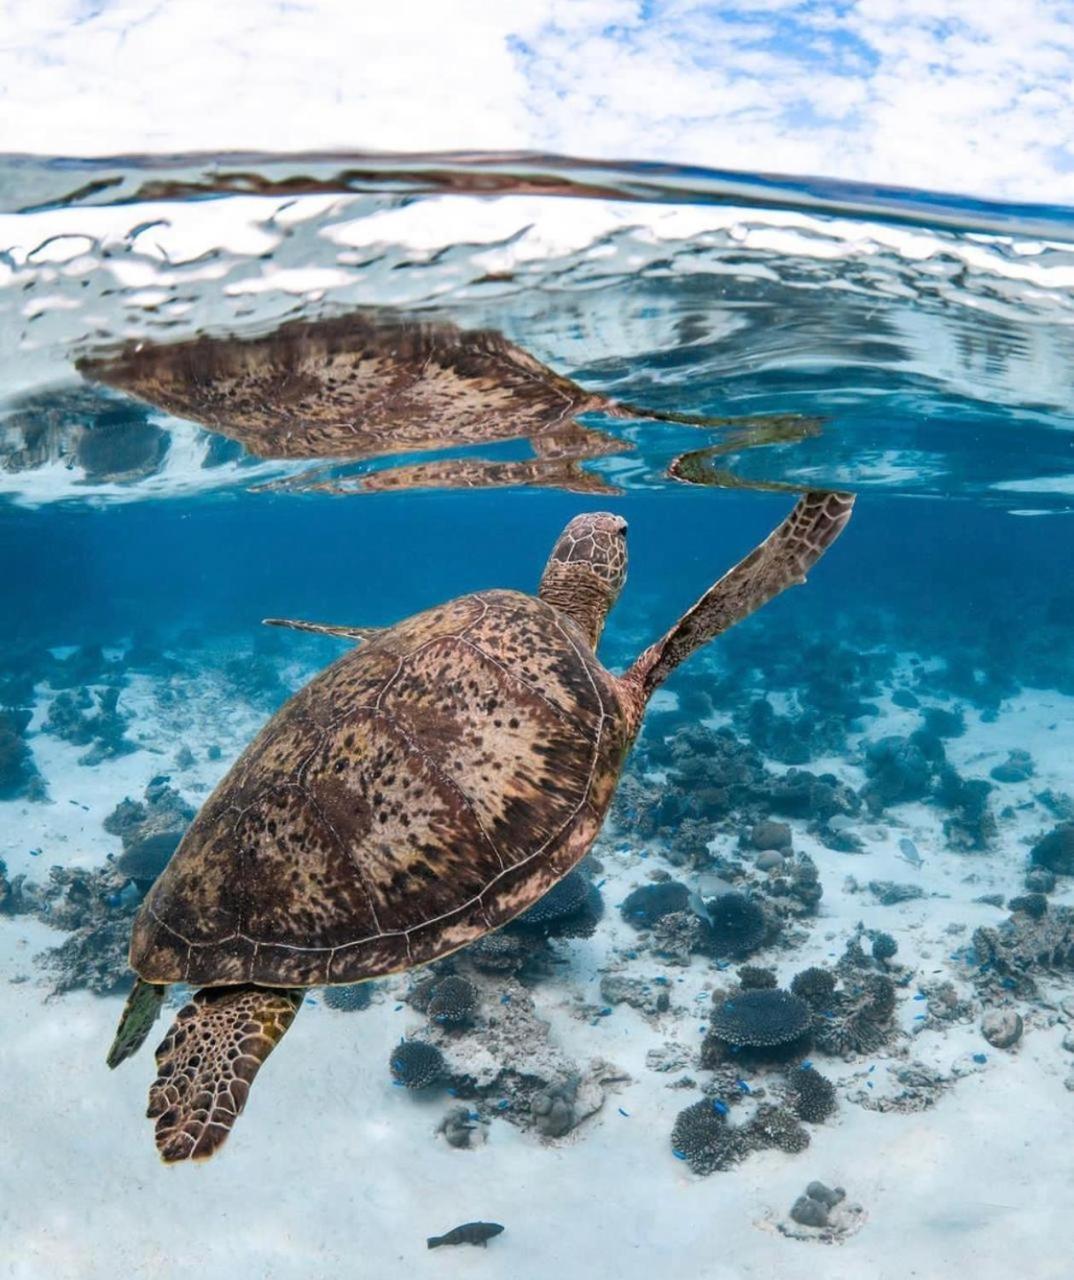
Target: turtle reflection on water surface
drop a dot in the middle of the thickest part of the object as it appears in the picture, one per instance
(377, 382)
(426, 788)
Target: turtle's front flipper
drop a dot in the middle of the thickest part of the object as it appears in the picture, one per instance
(781, 561)
(357, 634)
(139, 1014)
(208, 1061)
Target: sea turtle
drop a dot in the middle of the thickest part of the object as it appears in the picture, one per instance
(378, 382)
(426, 788)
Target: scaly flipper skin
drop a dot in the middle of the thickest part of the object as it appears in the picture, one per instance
(781, 561)
(208, 1061)
(357, 634)
(139, 1014)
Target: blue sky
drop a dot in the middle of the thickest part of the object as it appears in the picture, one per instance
(965, 95)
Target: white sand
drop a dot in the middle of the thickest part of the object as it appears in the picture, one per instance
(333, 1173)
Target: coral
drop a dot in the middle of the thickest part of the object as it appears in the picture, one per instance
(897, 770)
(1040, 880)
(1055, 851)
(150, 831)
(677, 935)
(789, 739)
(771, 1023)
(943, 723)
(796, 890)
(702, 1137)
(553, 1110)
(884, 947)
(462, 1128)
(753, 978)
(689, 845)
(643, 906)
(858, 1019)
(18, 773)
(103, 730)
(810, 1094)
(453, 1002)
(510, 1059)
(1023, 947)
(737, 926)
(416, 1064)
(1002, 1028)
(773, 1126)
(1018, 767)
(971, 826)
(890, 893)
(570, 909)
(503, 952)
(650, 998)
(65, 719)
(808, 1212)
(12, 897)
(349, 998)
(800, 794)
(1032, 904)
(93, 957)
(96, 909)
(816, 986)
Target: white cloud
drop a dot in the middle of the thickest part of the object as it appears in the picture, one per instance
(971, 95)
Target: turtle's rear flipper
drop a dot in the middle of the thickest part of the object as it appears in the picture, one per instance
(139, 1014)
(208, 1061)
(357, 634)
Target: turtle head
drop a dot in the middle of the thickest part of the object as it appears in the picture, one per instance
(587, 569)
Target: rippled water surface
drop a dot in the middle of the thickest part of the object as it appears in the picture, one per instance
(348, 389)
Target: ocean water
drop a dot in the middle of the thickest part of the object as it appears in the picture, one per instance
(349, 389)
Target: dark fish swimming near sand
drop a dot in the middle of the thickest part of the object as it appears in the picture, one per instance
(469, 1233)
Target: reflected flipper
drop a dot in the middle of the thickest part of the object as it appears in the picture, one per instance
(357, 634)
(207, 1063)
(699, 467)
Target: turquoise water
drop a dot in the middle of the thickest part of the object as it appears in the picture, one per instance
(905, 716)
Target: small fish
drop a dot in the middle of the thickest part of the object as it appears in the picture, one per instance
(908, 852)
(469, 1233)
(696, 904)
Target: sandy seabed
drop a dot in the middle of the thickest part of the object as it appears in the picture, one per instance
(332, 1172)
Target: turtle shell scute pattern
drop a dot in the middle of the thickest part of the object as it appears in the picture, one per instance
(419, 792)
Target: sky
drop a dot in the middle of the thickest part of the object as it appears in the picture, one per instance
(971, 96)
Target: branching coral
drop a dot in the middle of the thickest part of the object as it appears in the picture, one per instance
(702, 1137)
(504, 952)
(773, 1126)
(753, 978)
(570, 909)
(643, 906)
(814, 985)
(859, 1019)
(769, 1025)
(737, 925)
(350, 998)
(453, 1002)
(416, 1064)
(810, 1094)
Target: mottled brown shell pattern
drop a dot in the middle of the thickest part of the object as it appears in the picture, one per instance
(421, 791)
(355, 386)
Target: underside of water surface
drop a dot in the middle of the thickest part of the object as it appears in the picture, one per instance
(823, 939)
